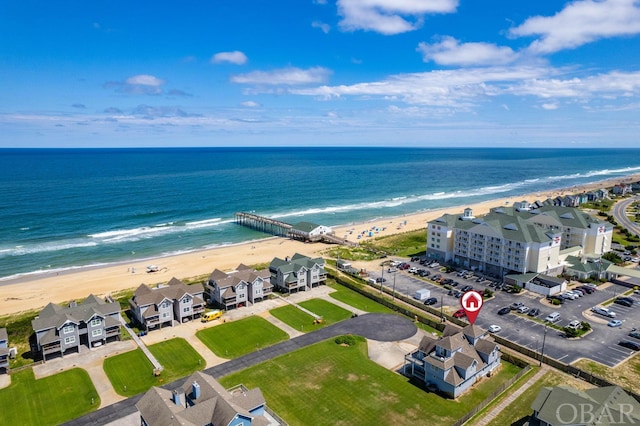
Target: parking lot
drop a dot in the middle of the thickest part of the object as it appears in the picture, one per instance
(601, 344)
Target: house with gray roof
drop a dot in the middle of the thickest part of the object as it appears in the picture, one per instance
(455, 361)
(605, 406)
(238, 288)
(92, 322)
(307, 231)
(202, 401)
(4, 350)
(298, 273)
(164, 304)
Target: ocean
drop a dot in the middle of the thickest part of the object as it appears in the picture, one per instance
(68, 208)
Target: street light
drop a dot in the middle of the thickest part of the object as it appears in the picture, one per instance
(544, 338)
(393, 297)
(381, 278)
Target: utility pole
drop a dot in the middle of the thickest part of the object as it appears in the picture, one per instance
(381, 278)
(544, 338)
(393, 297)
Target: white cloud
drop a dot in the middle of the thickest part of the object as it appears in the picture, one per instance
(235, 57)
(144, 80)
(250, 104)
(286, 76)
(581, 22)
(449, 51)
(325, 28)
(389, 16)
(549, 107)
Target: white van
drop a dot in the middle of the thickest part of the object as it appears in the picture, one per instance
(371, 280)
(553, 317)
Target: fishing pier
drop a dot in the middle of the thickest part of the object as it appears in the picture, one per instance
(263, 224)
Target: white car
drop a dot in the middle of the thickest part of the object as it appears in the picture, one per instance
(569, 295)
(603, 311)
(413, 270)
(494, 328)
(523, 309)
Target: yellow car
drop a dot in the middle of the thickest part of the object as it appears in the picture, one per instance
(211, 315)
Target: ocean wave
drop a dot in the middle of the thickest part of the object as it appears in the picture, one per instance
(45, 247)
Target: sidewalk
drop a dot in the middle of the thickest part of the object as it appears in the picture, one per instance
(512, 397)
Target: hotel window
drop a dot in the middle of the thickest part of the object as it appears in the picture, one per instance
(70, 339)
(97, 332)
(95, 322)
(68, 329)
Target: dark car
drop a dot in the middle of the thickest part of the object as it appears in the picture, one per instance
(466, 288)
(558, 298)
(629, 344)
(458, 294)
(589, 290)
(415, 259)
(534, 312)
(635, 334)
(381, 280)
(504, 311)
(623, 302)
(431, 301)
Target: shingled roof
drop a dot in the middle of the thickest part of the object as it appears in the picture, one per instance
(54, 316)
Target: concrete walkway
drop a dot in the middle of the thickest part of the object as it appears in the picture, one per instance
(141, 345)
(292, 332)
(488, 418)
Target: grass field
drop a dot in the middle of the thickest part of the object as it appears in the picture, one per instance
(329, 312)
(350, 297)
(48, 401)
(295, 318)
(131, 373)
(233, 339)
(328, 384)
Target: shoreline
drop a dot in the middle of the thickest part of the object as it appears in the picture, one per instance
(34, 291)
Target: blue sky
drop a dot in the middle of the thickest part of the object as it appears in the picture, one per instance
(320, 72)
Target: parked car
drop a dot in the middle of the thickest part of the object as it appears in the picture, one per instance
(415, 259)
(431, 301)
(466, 288)
(574, 325)
(555, 297)
(635, 334)
(436, 277)
(494, 328)
(523, 309)
(516, 305)
(504, 311)
(534, 312)
(458, 294)
(413, 270)
(603, 311)
(381, 280)
(459, 313)
(630, 345)
(569, 295)
(623, 302)
(614, 323)
(588, 289)
(553, 317)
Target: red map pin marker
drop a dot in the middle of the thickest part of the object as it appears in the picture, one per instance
(471, 302)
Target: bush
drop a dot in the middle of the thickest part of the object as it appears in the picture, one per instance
(348, 340)
(487, 293)
(585, 326)
(570, 332)
(555, 302)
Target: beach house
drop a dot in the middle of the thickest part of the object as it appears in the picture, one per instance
(167, 304)
(4, 350)
(454, 362)
(90, 323)
(565, 405)
(238, 288)
(519, 239)
(298, 273)
(202, 401)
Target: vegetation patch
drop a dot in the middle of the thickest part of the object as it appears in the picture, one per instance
(329, 312)
(349, 340)
(626, 374)
(343, 387)
(19, 332)
(355, 299)
(295, 318)
(131, 373)
(47, 401)
(233, 339)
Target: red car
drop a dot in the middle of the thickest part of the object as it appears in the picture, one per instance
(459, 313)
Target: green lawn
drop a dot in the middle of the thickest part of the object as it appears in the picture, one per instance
(295, 318)
(233, 339)
(48, 401)
(329, 312)
(328, 384)
(131, 373)
(352, 298)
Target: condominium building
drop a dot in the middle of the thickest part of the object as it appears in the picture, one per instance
(237, 288)
(518, 239)
(298, 273)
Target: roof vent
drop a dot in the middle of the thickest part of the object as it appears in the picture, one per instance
(196, 390)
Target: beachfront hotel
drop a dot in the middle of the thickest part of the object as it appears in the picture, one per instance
(521, 239)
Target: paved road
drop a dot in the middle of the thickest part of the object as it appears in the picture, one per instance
(619, 213)
(381, 327)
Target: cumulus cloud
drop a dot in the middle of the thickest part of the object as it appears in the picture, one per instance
(325, 28)
(290, 76)
(250, 104)
(449, 51)
(151, 112)
(579, 23)
(389, 16)
(141, 84)
(549, 107)
(236, 57)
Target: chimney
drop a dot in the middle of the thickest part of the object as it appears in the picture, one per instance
(178, 397)
(196, 390)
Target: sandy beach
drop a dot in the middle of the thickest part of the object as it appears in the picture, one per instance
(35, 292)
